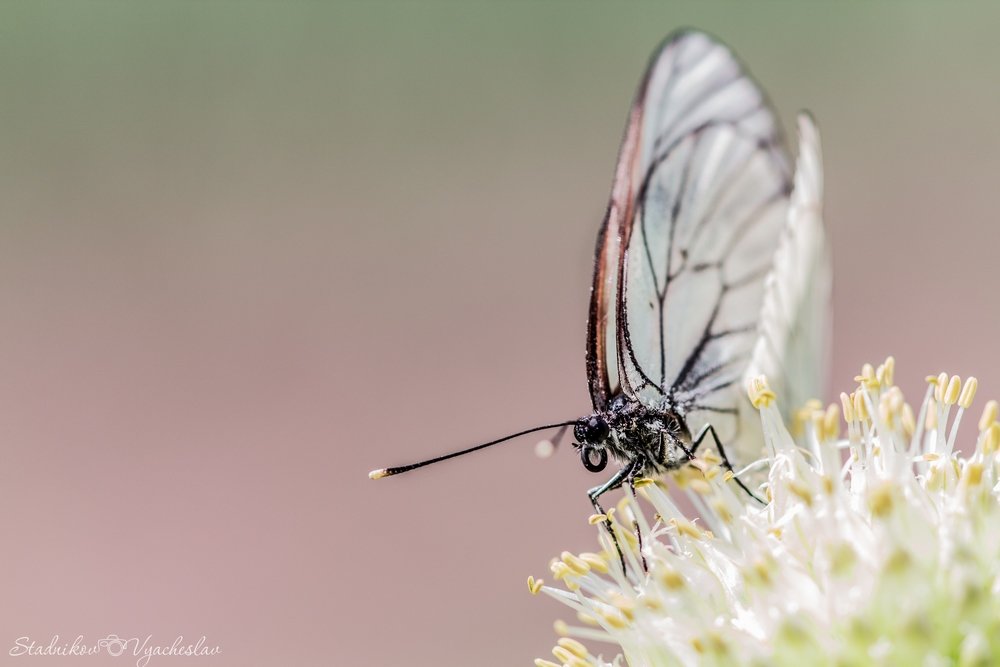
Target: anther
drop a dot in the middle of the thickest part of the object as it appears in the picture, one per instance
(561, 654)
(560, 570)
(968, 393)
(686, 528)
(860, 408)
(535, 585)
(952, 391)
(721, 510)
(847, 406)
(761, 568)
(890, 371)
(881, 500)
(760, 393)
(701, 487)
(990, 411)
(614, 619)
(828, 485)
(992, 440)
(574, 563)
(671, 578)
(574, 647)
(941, 386)
(973, 474)
(595, 561)
(802, 491)
(539, 662)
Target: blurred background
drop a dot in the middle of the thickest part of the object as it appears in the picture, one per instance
(250, 251)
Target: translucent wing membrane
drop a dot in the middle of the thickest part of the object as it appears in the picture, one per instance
(602, 325)
(792, 348)
(701, 197)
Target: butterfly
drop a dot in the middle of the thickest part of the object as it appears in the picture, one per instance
(711, 268)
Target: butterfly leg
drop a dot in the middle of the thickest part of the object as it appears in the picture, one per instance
(635, 524)
(705, 432)
(627, 472)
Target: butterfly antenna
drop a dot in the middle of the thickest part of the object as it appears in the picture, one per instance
(388, 472)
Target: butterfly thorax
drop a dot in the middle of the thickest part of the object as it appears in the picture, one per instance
(630, 430)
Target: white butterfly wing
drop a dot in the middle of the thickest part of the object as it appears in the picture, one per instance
(792, 348)
(706, 273)
(710, 199)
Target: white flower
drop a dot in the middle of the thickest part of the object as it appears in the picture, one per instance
(892, 558)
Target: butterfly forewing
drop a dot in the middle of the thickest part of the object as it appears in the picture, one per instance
(699, 204)
(602, 325)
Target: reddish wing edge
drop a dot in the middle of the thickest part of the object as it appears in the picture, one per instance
(612, 239)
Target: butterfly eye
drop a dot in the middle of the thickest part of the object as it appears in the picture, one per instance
(594, 459)
(597, 430)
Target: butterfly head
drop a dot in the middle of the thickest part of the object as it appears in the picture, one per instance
(592, 435)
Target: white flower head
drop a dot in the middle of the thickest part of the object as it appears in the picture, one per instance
(889, 558)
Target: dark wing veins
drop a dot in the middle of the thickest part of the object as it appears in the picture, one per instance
(641, 204)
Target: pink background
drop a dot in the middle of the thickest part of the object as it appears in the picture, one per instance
(250, 252)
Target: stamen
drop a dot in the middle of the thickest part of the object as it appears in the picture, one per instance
(539, 662)
(831, 423)
(890, 371)
(595, 561)
(562, 655)
(952, 391)
(941, 386)
(990, 411)
(614, 619)
(577, 565)
(880, 500)
(991, 443)
(560, 570)
(867, 373)
(848, 407)
(932, 415)
(760, 393)
(907, 508)
(671, 578)
(860, 408)
(574, 647)
(908, 422)
(964, 401)
(968, 393)
(686, 528)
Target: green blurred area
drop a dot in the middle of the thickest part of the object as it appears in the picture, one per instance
(313, 79)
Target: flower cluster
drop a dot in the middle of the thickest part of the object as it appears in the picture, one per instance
(889, 555)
